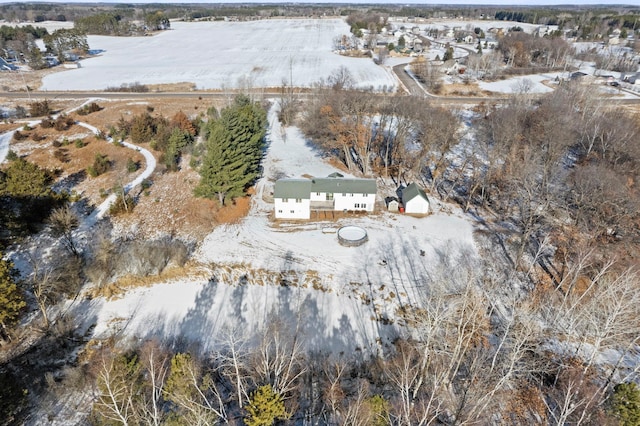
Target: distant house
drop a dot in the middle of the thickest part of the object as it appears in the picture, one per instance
(296, 198)
(415, 200)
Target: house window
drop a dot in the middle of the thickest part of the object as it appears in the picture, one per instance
(279, 211)
(292, 211)
(364, 195)
(363, 205)
(344, 195)
(356, 205)
(298, 200)
(317, 194)
(285, 200)
(329, 197)
(350, 195)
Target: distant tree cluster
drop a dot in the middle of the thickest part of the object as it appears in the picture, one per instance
(391, 136)
(234, 149)
(520, 49)
(64, 42)
(18, 44)
(119, 23)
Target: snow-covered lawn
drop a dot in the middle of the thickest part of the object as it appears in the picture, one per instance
(353, 286)
(216, 55)
(521, 84)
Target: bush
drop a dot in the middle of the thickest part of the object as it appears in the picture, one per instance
(61, 155)
(101, 164)
(19, 136)
(79, 143)
(63, 122)
(39, 108)
(132, 166)
(123, 204)
(36, 137)
(132, 87)
(12, 156)
(89, 108)
(47, 123)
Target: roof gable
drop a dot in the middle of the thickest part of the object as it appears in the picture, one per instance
(412, 191)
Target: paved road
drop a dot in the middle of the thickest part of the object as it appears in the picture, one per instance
(411, 85)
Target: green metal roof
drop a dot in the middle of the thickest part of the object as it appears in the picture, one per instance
(412, 191)
(341, 185)
(292, 188)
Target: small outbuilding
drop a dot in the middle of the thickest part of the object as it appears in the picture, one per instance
(415, 200)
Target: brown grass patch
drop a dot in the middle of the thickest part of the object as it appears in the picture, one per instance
(172, 87)
(235, 212)
(463, 89)
(194, 271)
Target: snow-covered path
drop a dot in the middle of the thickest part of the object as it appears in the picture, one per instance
(103, 208)
(5, 139)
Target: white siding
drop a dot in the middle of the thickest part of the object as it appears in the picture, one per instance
(290, 209)
(354, 201)
(319, 196)
(417, 205)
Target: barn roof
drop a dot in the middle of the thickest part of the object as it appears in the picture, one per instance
(412, 191)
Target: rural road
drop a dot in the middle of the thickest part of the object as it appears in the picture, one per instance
(414, 88)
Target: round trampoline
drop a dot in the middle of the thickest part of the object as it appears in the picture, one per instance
(352, 236)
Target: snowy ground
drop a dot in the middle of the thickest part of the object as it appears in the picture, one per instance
(216, 55)
(353, 286)
(5, 139)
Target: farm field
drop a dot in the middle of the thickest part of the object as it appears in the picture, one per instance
(222, 55)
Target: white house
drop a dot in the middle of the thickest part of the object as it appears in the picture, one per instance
(295, 198)
(415, 200)
(291, 198)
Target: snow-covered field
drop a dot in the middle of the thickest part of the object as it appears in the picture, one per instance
(354, 286)
(215, 55)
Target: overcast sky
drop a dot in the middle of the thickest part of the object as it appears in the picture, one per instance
(438, 2)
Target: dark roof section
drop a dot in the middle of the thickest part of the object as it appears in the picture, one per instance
(292, 188)
(412, 191)
(342, 185)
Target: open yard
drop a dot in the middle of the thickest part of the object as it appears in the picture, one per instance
(253, 271)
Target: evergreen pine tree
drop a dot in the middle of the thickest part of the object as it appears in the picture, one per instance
(265, 407)
(625, 404)
(11, 298)
(234, 151)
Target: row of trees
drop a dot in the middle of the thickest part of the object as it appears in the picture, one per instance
(119, 23)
